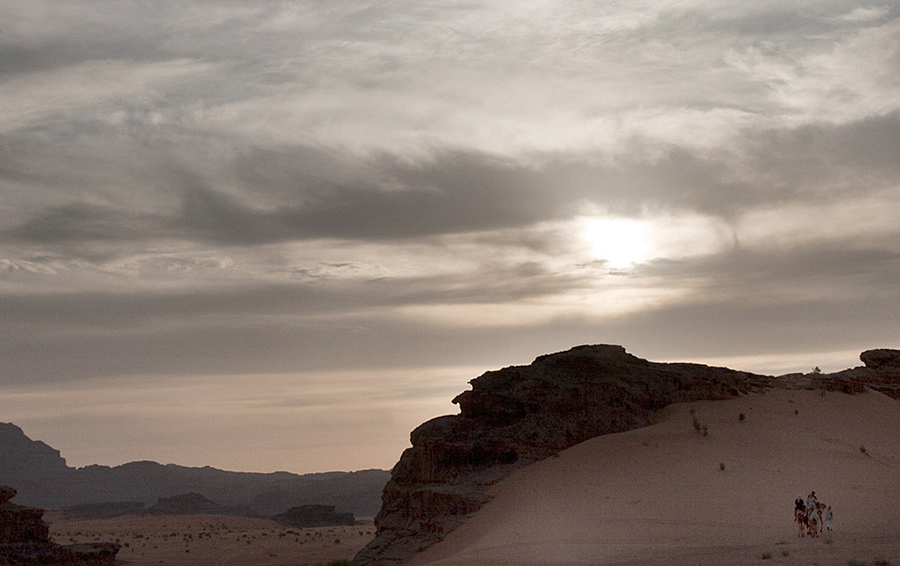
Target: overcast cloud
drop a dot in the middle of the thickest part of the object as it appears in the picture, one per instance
(230, 199)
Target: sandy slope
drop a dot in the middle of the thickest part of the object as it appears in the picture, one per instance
(658, 496)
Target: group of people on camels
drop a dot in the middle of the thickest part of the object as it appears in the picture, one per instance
(811, 516)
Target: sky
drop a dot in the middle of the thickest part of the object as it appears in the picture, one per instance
(278, 235)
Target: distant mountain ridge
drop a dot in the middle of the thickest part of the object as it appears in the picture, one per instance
(43, 479)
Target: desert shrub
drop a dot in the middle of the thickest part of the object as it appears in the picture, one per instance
(767, 556)
(882, 562)
(742, 417)
(722, 466)
(785, 553)
(862, 449)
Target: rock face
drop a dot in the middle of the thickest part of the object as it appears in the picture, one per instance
(881, 359)
(20, 524)
(308, 516)
(25, 539)
(523, 414)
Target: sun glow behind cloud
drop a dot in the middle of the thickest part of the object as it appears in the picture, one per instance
(619, 242)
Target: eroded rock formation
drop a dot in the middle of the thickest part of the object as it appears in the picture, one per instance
(25, 540)
(522, 414)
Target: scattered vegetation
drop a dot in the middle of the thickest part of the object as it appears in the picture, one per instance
(767, 556)
(742, 417)
(722, 466)
(817, 370)
(863, 449)
(700, 428)
(785, 553)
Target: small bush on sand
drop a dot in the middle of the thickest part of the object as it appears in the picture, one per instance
(742, 417)
(767, 556)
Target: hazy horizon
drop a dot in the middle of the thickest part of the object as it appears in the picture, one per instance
(279, 236)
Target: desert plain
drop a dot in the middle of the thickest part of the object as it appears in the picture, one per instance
(214, 540)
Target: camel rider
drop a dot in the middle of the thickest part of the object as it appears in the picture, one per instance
(799, 505)
(811, 502)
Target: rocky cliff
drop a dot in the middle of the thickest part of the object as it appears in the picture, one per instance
(25, 539)
(523, 414)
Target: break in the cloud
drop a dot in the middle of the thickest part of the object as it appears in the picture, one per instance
(212, 191)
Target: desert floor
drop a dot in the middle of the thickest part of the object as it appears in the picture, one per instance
(215, 540)
(667, 495)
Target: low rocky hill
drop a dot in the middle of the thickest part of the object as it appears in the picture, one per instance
(309, 516)
(522, 414)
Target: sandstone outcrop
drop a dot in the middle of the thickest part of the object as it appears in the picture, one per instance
(522, 414)
(25, 540)
(881, 372)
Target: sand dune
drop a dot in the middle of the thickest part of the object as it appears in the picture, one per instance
(659, 495)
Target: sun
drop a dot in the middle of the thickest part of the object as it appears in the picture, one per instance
(620, 242)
